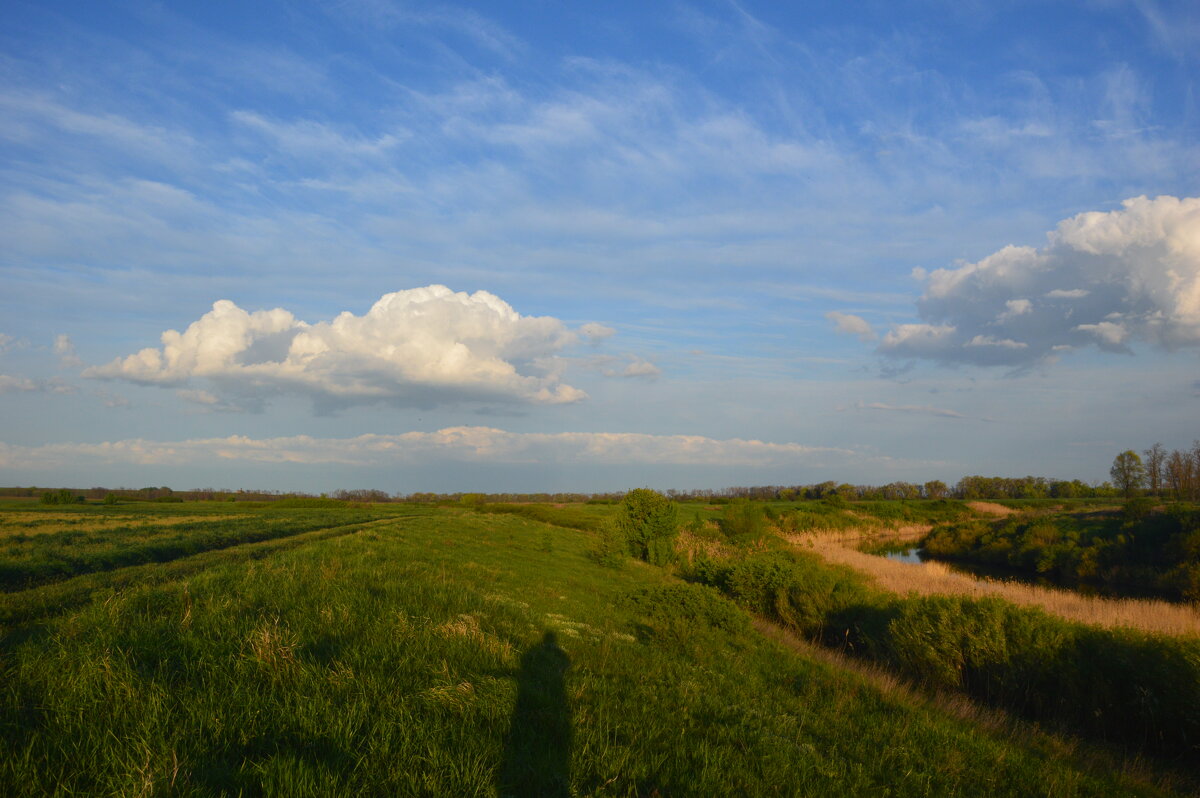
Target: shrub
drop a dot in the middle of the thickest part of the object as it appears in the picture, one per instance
(685, 616)
(792, 589)
(608, 545)
(744, 521)
(62, 496)
(1136, 509)
(648, 522)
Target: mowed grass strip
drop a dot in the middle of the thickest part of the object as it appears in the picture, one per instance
(30, 605)
(29, 560)
(469, 654)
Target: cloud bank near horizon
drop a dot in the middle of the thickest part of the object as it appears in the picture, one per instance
(420, 347)
(451, 444)
(1104, 279)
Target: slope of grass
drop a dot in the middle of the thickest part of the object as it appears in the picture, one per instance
(1115, 685)
(460, 653)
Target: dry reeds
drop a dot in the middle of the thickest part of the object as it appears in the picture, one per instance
(933, 578)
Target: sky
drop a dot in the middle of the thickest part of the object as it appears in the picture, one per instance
(532, 246)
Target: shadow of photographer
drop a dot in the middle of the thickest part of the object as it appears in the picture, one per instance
(537, 751)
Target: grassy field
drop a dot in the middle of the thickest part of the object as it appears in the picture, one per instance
(400, 650)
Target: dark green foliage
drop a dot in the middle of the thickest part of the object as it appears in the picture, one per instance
(744, 522)
(1137, 509)
(1140, 690)
(1128, 473)
(794, 589)
(608, 546)
(309, 502)
(649, 522)
(1120, 685)
(1137, 548)
(62, 496)
(685, 617)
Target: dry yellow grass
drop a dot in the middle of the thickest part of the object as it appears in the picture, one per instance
(991, 508)
(933, 578)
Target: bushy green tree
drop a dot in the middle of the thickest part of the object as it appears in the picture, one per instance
(649, 522)
(1128, 473)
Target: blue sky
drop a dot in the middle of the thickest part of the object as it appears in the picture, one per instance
(535, 246)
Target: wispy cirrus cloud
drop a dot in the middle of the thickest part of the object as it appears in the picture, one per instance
(921, 410)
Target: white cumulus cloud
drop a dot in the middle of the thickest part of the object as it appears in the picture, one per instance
(596, 332)
(1104, 278)
(13, 384)
(418, 347)
(65, 349)
(849, 324)
(641, 368)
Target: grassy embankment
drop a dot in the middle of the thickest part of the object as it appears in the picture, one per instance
(461, 653)
(1116, 684)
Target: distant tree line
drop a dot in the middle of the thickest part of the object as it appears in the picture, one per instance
(1161, 473)
(1156, 471)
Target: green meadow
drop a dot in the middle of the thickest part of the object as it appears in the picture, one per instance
(224, 649)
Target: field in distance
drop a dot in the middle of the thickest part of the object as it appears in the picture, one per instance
(214, 648)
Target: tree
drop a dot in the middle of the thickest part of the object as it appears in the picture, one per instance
(936, 489)
(1180, 473)
(1156, 461)
(648, 521)
(1128, 473)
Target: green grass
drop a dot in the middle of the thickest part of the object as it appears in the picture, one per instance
(454, 652)
(49, 548)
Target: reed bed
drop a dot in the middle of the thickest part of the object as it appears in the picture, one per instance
(933, 578)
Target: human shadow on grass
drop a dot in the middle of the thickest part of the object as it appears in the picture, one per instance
(537, 751)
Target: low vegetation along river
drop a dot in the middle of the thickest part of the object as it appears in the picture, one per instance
(907, 552)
